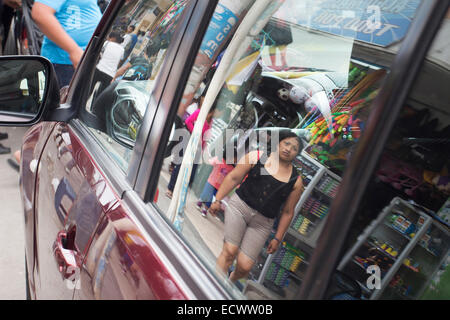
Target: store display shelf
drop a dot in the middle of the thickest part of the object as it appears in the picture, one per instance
(315, 215)
(301, 237)
(294, 275)
(362, 267)
(400, 295)
(382, 251)
(328, 196)
(359, 264)
(416, 271)
(390, 226)
(428, 250)
(305, 263)
(364, 288)
(290, 273)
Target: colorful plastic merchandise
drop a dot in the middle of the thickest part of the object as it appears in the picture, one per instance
(344, 109)
(303, 225)
(305, 169)
(278, 275)
(328, 186)
(286, 260)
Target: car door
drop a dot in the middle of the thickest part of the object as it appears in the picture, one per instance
(132, 250)
(71, 198)
(132, 254)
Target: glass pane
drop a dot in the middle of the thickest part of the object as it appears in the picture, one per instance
(420, 271)
(413, 170)
(125, 74)
(22, 89)
(305, 67)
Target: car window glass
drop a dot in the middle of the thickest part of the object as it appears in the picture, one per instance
(405, 211)
(125, 74)
(308, 68)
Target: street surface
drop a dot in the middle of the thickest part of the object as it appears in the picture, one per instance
(12, 238)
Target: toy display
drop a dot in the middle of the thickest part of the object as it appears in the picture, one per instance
(285, 263)
(408, 247)
(444, 212)
(315, 203)
(306, 170)
(330, 144)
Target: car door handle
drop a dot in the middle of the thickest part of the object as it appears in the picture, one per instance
(67, 259)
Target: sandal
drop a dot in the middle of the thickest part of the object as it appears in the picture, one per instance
(13, 163)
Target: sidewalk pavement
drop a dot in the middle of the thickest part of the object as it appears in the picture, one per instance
(12, 238)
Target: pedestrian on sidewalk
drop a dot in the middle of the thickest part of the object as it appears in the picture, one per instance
(68, 26)
(106, 69)
(7, 8)
(267, 191)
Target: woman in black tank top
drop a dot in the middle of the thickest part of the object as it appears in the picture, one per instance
(266, 189)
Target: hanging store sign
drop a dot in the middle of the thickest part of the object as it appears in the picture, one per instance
(379, 22)
(221, 24)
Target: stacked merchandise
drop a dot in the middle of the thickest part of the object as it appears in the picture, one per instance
(312, 206)
(284, 264)
(328, 186)
(444, 212)
(306, 170)
(316, 206)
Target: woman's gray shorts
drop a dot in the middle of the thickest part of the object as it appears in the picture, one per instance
(245, 227)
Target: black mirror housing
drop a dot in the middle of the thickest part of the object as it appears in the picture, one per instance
(29, 90)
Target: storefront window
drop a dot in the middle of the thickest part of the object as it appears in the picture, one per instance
(308, 67)
(402, 224)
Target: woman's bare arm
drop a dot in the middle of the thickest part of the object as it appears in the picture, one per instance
(235, 177)
(45, 18)
(287, 214)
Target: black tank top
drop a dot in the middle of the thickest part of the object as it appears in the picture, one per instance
(265, 193)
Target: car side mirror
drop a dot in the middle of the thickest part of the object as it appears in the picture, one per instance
(28, 90)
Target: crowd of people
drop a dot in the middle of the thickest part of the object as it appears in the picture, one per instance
(66, 36)
(7, 8)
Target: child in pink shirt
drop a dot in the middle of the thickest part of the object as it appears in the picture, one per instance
(190, 122)
(220, 170)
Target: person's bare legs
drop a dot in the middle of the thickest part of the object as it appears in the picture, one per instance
(273, 56)
(15, 161)
(17, 156)
(283, 52)
(243, 267)
(226, 257)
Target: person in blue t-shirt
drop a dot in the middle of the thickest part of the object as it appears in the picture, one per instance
(68, 26)
(129, 41)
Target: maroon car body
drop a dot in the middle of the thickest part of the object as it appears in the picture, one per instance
(79, 230)
(90, 234)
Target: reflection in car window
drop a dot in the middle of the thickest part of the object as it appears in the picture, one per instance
(406, 208)
(311, 68)
(123, 80)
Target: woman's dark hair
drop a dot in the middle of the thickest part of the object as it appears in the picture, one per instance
(286, 134)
